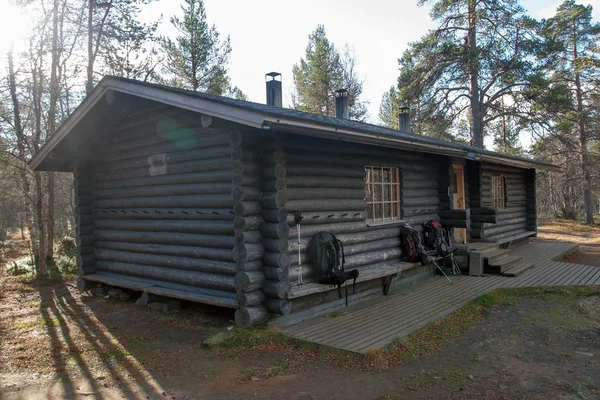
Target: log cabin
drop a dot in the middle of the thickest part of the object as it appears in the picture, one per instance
(192, 196)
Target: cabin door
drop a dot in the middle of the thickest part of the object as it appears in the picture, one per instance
(458, 198)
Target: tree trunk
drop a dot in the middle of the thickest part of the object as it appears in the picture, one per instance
(21, 150)
(51, 127)
(476, 111)
(89, 85)
(41, 223)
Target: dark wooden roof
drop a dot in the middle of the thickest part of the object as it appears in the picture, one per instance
(266, 117)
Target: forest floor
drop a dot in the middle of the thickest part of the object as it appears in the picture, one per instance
(521, 343)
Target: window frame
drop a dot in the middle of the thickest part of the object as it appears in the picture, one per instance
(499, 192)
(391, 196)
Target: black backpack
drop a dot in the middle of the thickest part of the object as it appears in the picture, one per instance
(326, 253)
(436, 238)
(411, 241)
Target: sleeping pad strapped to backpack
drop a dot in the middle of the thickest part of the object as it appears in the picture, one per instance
(326, 253)
(412, 245)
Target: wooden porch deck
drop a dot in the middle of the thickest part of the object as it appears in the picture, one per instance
(373, 324)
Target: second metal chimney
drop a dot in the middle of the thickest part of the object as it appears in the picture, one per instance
(274, 97)
(404, 119)
(341, 103)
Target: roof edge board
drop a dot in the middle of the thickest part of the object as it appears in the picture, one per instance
(76, 117)
(343, 134)
(189, 103)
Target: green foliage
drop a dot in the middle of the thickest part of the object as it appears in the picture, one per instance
(197, 59)
(388, 110)
(321, 72)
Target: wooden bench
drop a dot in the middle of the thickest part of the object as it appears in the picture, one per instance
(388, 272)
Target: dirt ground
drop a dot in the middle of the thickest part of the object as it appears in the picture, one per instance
(56, 343)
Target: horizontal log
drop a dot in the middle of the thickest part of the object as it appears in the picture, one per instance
(249, 281)
(429, 192)
(174, 157)
(217, 241)
(372, 235)
(208, 227)
(312, 170)
(215, 164)
(418, 221)
(247, 252)
(274, 172)
(275, 245)
(204, 214)
(490, 219)
(278, 230)
(275, 214)
(278, 306)
(372, 257)
(279, 260)
(191, 278)
(250, 299)
(326, 205)
(195, 177)
(200, 201)
(245, 180)
(504, 235)
(274, 200)
(456, 223)
(349, 250)
(276, 273)
(276, 289)
(250, 266)
(484, 211)
(248, 223)
(455, 214)
(250, 168)
(417, 211)
(273, 185)
(249, 237)
(196, 142)
(239, 193)
(335, 228)
(322, 193)
(208, 253)
(420, 201)
(328, 182)
(512, 221)
(162, 190)
(312, 218)
(246, 208)
(250, 316)
(167, 261)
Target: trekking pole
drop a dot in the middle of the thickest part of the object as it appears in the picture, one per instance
(298, 219)
(442, 271)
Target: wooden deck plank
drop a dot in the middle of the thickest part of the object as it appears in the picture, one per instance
(377, 322)
(594, 277)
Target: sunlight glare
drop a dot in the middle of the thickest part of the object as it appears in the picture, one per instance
(13, 26)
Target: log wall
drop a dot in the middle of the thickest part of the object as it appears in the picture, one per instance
(325, 180)
(160, 207)
(513, 219)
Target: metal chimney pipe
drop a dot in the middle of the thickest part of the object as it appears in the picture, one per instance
(404, 119)
(274, 97)
(341, 104)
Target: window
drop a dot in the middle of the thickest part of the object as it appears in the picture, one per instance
(499, 191)
(383, 193)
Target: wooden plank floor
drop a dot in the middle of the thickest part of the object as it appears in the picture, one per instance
(373, 324)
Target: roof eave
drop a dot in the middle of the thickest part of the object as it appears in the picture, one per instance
(399, 142)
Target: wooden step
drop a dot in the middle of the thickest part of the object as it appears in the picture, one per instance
(518, 269)
(504, 264)
(496, 255)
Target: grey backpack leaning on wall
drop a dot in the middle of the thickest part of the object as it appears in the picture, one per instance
(326, 254)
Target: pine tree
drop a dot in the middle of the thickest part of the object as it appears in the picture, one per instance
(197, 59)
(321, 72)
(479, 53)
(569, 95)
(388, 109)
